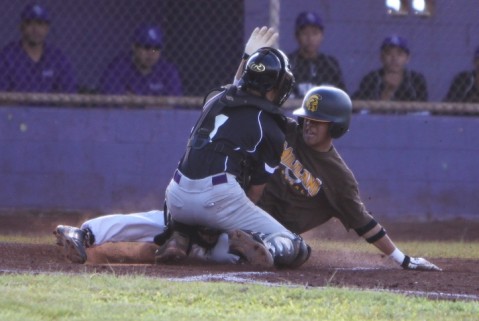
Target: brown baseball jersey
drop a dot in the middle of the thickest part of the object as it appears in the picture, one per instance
(310, 187)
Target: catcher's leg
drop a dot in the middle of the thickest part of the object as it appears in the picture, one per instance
(250, 248)
(287, 248)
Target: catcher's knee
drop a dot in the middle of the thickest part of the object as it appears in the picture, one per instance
(288, 249)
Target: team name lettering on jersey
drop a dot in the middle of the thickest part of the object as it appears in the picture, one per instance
(296, 175)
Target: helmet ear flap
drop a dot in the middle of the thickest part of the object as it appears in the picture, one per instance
(336, 130)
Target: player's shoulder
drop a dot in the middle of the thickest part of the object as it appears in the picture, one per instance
(54, 51)
(328, 59)
(11, 47)
(416, 75)
(164, 67)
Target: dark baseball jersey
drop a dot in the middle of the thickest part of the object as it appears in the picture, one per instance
(241, 134)
(413, 87)
(310, 187)
(234, 130)
(322, 70)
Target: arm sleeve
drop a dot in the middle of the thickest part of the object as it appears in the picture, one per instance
(457, 89)
(4, 79)
(337, 75)
(175, 87)
(109, 83)
(421, 87)
(365, 89)
(270, 150)
(66, 80)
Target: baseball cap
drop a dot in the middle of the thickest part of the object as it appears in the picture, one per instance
(395, 41)
(308, 19)
(148, 36)
(35, 11)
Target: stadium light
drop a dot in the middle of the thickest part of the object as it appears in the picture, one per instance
(397, 7)
(422, 8)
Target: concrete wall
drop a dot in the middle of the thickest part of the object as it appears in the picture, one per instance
(116, 160)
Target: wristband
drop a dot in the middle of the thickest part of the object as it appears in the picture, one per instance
(245, 56)
(405, 263)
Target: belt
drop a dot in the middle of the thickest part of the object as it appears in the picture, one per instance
(215, 180)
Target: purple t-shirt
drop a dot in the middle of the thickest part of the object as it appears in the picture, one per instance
(122, 77)
(52, 73)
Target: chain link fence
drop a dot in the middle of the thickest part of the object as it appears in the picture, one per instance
(202, 41)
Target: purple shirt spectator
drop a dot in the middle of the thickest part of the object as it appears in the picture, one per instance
(142, 72)
(123, 77)
(18, 72)
(30, 65)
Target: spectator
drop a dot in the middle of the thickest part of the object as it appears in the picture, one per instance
(32, 65)
(142, 71)
(393, 81)
(311, 67)
(465, 85)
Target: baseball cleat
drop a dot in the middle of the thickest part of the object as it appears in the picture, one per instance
(174, 250)
(250, 249)
(419, 264)
(74, 242)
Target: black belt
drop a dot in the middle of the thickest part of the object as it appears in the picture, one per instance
(215, 180)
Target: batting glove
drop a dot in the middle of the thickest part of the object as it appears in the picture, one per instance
(260, 37)
(418, 264)
(220, 253)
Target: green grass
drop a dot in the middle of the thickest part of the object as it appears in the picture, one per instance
(28, 239)
(108, 297)
(431, 249)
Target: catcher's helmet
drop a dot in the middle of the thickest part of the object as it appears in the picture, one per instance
(268, 69)
(328, 104)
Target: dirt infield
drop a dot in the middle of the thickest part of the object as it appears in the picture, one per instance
(458, 281)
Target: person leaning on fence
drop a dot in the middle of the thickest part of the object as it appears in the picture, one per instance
(32, 65)
(393, 81)
(142, 71)
(310, 66)
(465, 85)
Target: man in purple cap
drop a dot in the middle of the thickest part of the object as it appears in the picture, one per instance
(393, 81)
(311, 67)
(142, 71)
(465, 85)
(32, 65)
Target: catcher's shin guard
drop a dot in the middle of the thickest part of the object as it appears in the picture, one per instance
(251, 248)
(287, 248)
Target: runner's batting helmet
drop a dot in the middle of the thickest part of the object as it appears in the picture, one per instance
(268, 69)
(330, 104)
